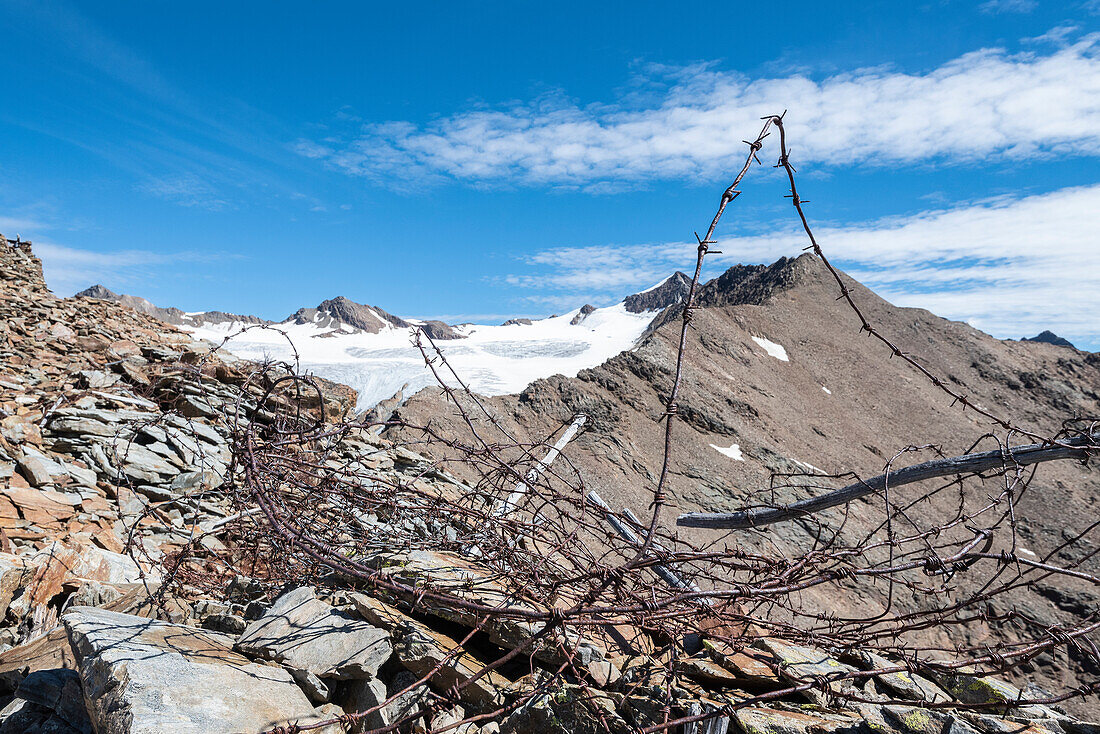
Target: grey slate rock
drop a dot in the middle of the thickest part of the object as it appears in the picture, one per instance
(142, 676)
(301, 631)
(357, 696)
(57, 692)
(673, 290)
(36, 470)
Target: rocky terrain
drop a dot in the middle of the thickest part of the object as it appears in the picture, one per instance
(780, 381)
(119, 445)
(667, 293)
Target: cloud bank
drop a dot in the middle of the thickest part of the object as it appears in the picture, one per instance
(988, 103)
(1011, 266)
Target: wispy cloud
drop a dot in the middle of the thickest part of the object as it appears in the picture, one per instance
(186, 190)
(1008, 6)
(70, 269)
(986, 103)
(11, 226)
(1058, 35)
(175, 140)
(1011, 266)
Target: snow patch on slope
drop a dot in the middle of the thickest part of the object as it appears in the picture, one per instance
(492, 360)
(734, 451)
(773, 349)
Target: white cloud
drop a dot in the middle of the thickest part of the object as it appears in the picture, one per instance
(986, 103)
(1011, 266)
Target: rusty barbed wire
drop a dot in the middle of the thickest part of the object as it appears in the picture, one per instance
(516, 551)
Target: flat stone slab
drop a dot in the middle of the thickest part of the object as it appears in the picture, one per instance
(772, 721)
(799, 663)
(303, 632)
(142, 676)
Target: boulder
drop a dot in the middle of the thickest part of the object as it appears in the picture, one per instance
(58, 564)
(800, 663)
(141, 676)
(922, 721)
(568, 709)
(98, 379)
(76, 426)
(48, 652)
(13, 575)
(303, 632)
(358, 696)
(906, 684)
(466, 580)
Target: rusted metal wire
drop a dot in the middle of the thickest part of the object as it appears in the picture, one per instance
(519, 541)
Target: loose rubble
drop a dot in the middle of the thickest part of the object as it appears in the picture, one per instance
(114, 448)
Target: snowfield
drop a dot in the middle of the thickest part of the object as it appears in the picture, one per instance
(492, 360)
(773, 349)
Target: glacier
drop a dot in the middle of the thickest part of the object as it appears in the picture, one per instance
(491, 360)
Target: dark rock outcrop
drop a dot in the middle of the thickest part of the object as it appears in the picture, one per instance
(334, 312)
(439, 330)
(673, 290)
(585, 312)
(1049, 337)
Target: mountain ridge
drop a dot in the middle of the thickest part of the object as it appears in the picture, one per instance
(341, 311)
(372, 350)
(779, 380)
(171, 315)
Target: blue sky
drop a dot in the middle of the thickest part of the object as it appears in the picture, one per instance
(487, 160)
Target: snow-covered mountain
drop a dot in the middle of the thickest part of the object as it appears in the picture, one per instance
(373, 351)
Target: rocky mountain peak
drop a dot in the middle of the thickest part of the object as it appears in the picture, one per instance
(672, 290)
(171, 315)
(754, 284)
(585, 311)
(98, 291)
(334, 312)
(1049, 337)
(342, 311)
(440, 330)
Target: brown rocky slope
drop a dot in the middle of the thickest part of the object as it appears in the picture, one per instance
(779, 377)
